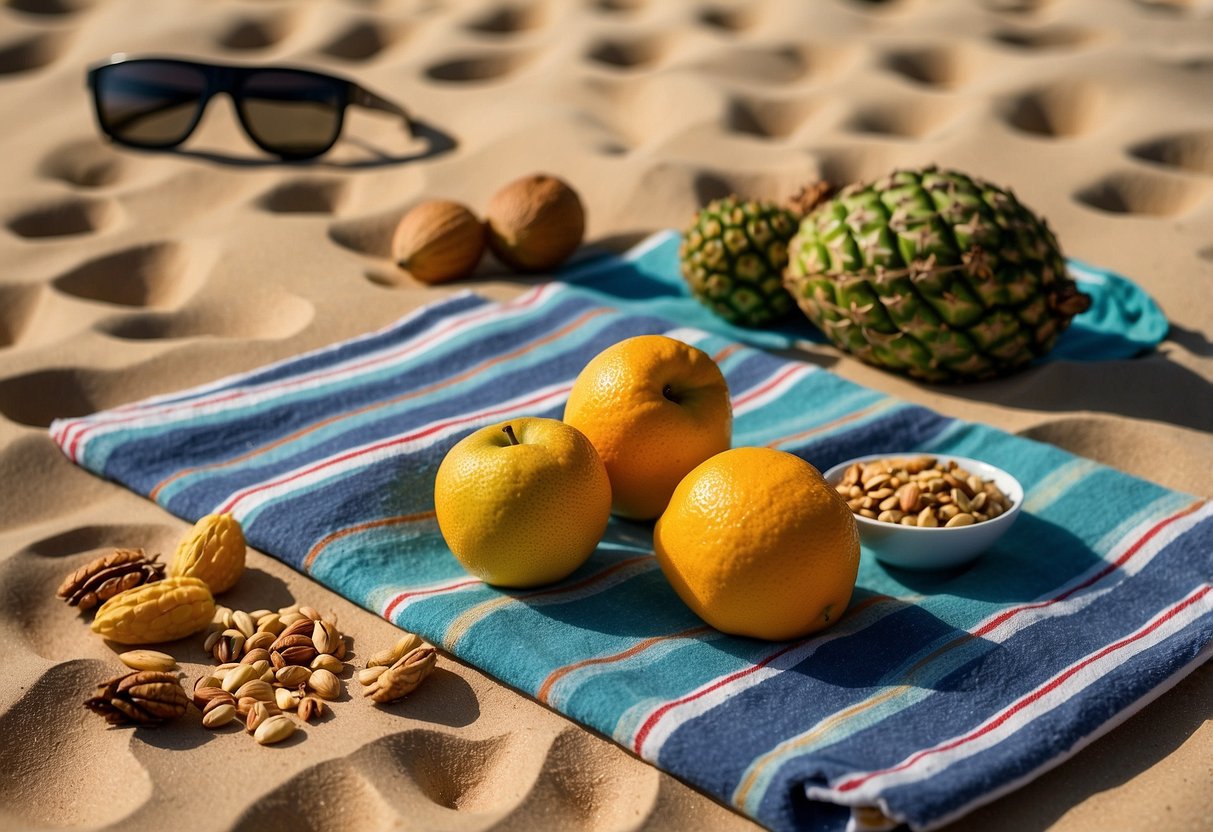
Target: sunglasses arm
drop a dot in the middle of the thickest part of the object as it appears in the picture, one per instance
(365, 98)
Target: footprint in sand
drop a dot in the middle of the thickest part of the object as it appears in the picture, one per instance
(49, 481)
(87, 163)
(74, 792)
(18, 305)
(630, 53)
(364, 40)
(153, 274)
(265, 314)
(902, 119)
(50, 8)
(1137, 192)
(305, 196)
(942, 67)
(1192, 152)
(478, 68)
(32, 52)
(1047, 39)
(1064, 109)
(732, 19)
(65, 218)
(509, 19)
(769, 118)
(252, 33)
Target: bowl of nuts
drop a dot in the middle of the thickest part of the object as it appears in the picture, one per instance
(919, 511)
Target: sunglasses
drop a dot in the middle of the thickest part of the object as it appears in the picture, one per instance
(291, 113)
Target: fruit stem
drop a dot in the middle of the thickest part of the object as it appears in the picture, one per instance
(508, 430)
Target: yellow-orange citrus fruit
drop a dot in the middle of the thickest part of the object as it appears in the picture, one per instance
(526, 509)
(654, 408)
(758, 544)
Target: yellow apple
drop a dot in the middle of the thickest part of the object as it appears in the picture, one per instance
(522, 503)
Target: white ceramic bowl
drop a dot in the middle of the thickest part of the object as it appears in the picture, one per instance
(914, 547)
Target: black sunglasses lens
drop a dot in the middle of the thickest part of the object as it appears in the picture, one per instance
(149, 103)
(293, 114)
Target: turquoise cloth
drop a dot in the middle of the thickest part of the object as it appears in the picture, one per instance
(1123, 321)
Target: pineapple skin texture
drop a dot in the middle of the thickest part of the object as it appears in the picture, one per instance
(933, 274)
(733, 256)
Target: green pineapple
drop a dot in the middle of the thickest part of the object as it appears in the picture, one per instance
(733, 258)
(934, 274)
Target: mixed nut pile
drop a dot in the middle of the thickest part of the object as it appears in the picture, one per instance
(269, 663)
(922, 491)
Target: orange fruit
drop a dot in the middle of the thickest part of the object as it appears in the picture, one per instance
(526, 509)
(654, 408)
(757, 543)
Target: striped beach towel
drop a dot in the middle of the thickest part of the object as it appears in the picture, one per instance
(935, 693)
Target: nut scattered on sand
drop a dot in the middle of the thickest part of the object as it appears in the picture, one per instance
(274, 729)
(403, 677)
(142, 698)
(148, 660)
(105, 577)
(921, 492)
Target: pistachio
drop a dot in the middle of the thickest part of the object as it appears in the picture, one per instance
(324, 637)
(925, 489)
(274, 729)
(238, 676)
(219, 716)
(310, 612)
(258, 714)
(271, 624)
(285, 700)
(148, 660)
(260, 640)
(332, 664)
(292, 676)
(259, 690)
(259, 654)
(257, 615)
(311, 707)
(961, 519)
(244, 623)
(325, 684)
(203, 697)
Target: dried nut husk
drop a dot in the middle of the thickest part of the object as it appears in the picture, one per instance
(228, 647)
(324, 684)
(148, 660)
(103, 578)
(219, 716)
(274, 729)
(165, 610)
(438, 241)
(292, 676)
(332, 664)
(404, 677)
(535, 223)
(311, 707)
(213, 551)
(387, 658)
(146, 697)
(239, 676)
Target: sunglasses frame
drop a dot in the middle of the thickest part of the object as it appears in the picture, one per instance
(230, 79)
